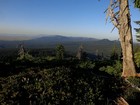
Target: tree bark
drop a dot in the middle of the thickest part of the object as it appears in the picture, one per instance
(121, 101)
(125, 33)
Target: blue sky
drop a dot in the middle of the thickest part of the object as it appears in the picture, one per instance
(64, 17)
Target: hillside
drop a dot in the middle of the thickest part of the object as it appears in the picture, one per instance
(39, 76)
(71, 44)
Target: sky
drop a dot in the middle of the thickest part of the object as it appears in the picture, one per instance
(85, 18)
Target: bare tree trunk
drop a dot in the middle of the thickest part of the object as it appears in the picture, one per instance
(125, 33)
(121, 101)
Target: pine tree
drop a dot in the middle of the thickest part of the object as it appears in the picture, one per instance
(60, 52)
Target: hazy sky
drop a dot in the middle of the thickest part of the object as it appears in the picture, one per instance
(63, 17)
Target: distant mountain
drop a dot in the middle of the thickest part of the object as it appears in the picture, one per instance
(41, 37)
(71, 44)
(59, 38)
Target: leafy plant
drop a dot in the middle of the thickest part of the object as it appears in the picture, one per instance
(86, 64)
(59, 86)
(137, 59)
(113, 70)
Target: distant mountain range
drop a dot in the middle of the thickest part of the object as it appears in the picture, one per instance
(59, 38)
(91, 45)
(41, 37)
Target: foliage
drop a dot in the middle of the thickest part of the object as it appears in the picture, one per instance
(50, 58)
(131, 94)
(137, 59)
(23, 54)
(137, 31)
(137, 3)
(137, 55)
(59, 86)
(135, 81)
(86, 64)
(116, 69)
(114, 54)
(26, 56)
(45, 80)
(60, 50)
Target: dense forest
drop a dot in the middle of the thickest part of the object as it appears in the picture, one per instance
(56, 76)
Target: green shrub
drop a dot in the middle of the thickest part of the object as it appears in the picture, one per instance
(137, 59)
(61, 86)
(132, 95)
(50, 58)
(86, 64)
(113, 70)
(26, 57)
(60, 50)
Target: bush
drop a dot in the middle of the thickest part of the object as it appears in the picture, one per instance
(116, 69)
(86, 64)
(132, 95)
(26, 57)
(137, 59)
(59, 86)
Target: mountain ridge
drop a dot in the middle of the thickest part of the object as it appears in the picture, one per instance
(71, 44)
(22, 37)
